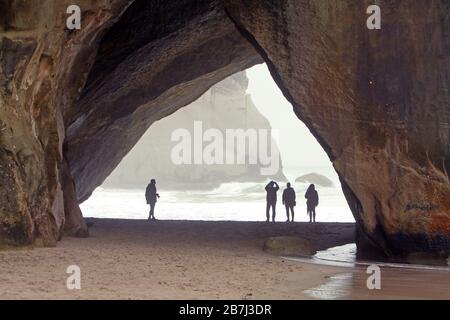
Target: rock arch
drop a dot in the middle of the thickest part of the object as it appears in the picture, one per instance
(75, 102)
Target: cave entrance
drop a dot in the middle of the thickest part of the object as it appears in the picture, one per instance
(202, 174)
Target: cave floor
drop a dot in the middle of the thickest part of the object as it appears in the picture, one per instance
(136, 259)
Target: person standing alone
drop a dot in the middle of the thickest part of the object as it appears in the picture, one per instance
(151, 196)
(271, 190)
(289, 201)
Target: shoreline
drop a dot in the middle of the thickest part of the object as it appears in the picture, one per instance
(137, 259)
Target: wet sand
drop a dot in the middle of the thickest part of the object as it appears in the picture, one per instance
(135, 259)
(398, 280)
(396, 283)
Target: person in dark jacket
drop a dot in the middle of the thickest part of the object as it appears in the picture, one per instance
(289, 201)
(312, 200)
(271, 190)
(151, 196)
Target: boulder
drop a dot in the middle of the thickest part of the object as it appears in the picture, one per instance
(289, 246)
(316, 178)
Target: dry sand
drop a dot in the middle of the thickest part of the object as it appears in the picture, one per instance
(135, 259)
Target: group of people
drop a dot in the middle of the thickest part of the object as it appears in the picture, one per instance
(289, 202)
(311, 195)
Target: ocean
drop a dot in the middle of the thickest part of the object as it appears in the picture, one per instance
(229, 202)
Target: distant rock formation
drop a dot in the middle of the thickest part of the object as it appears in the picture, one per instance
(315, 178)
(225, 106)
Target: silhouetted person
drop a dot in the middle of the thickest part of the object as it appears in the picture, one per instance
(289, 201)
(151, 196)
(271, 190)
(312, 200)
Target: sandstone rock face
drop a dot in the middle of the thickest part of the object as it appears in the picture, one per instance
(426, 258)
(42, 66)
(73, 103)
(162, 54)
(223, 107)
(289, 246)
(376, 100)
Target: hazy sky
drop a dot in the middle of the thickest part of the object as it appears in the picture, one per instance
(297, 145)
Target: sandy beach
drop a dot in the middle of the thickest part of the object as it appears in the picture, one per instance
(136, 259)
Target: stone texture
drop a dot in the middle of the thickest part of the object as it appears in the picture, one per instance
(42, 66)
(178, 50)
(426, 258)
(289, 246)
(377, 101)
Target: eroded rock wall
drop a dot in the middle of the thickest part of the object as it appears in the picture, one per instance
(377, 101)
(74, 102)
(42, 68)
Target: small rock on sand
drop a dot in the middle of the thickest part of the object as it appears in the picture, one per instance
(289, 246)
